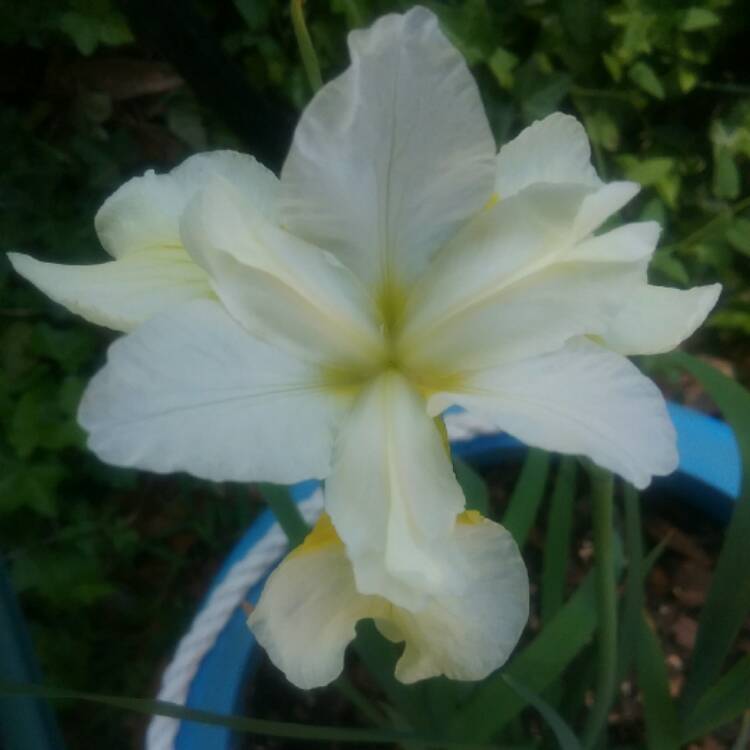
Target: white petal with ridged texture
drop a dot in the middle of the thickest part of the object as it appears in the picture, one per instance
(190, 390)
(535, 316)
(144, 213)
(516, 282)
(392, 494)
(469, 636)
(598, 206)
(630, 243)
(393, 155)
(657, 319)
(583, 400)
(463, 637)
(553, 150)
(119, 294)
(308, 610)
(281, 288)
(500, 246)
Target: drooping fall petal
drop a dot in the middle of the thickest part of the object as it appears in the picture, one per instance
(393, 155)
(392, 494)
(657, 319)
(582, 399)
(139, 226)
(120, 294)
(464, 637)
(191, 390)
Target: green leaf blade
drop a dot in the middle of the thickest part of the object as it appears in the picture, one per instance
(723, 703)
(660, 711)
(564, 735)
(558, 541)
(728, 601)
(527, 495)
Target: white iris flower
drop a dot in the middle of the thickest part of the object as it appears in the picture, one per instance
(316, 324)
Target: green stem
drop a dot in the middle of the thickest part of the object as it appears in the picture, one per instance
(633, 600)
(354, 16)
(286, 511)
(709, 225)
(602, 486)
(600, 93)
(743, 739)
(557, 544)
(727, 88)
(306, 48)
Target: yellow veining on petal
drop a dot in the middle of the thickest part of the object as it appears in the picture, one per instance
(390, 302)
(443, 430)
(345, 381)
(470, 518)
(322, 535)
(493, 200)
(432, 380)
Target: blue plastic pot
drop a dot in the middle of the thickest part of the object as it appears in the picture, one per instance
(708, 477)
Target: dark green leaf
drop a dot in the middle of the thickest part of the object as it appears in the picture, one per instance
(643, 75)
(723, 703)
(379, 656)
(563, 733)
(286, 511)
(502, 64)
(728, 601)
(537, 666)
(697, 18)
(726, 175)
(662, 725)
(738, 235)
(473, 485)
(633, 601)
(557, 544)
(527, 495)
(236, 723)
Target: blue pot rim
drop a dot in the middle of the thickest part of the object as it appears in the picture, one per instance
(708, 477)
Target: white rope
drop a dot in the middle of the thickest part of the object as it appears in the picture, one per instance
(219, 607)
(228, 595)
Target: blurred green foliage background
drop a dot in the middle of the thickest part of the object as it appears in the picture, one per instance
(110, 564)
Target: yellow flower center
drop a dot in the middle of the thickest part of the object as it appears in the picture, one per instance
(391, 305)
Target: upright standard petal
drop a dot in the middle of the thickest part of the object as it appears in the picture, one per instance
(283, 289)
(556, 151)
(119, 294)
(582, 399)
(515, 282)
(392, 495)
(463, 637)
(139, 226)
(657, 319)
(393, 155)
(553, 150)
(191, 390)
(145, 212)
